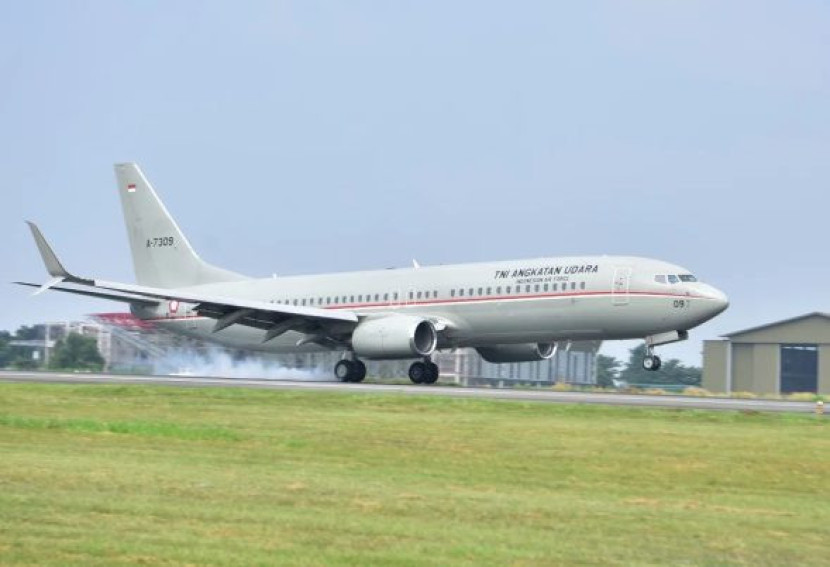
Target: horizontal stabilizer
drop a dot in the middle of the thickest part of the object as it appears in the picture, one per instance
(126, 298)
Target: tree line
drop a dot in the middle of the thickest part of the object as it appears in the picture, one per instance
(72, 352)
(671, 373)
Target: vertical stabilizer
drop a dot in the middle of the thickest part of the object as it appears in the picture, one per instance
(162, 256)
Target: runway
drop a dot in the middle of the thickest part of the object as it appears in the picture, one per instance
(611, 399)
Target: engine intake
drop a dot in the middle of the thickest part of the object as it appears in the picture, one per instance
(529, 352)
(396, 336)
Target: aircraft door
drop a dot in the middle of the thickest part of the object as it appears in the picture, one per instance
(621, 285)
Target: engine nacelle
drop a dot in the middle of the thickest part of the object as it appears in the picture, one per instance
(529, 352)
(395, 336)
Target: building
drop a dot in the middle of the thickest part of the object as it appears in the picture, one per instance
(777, 358)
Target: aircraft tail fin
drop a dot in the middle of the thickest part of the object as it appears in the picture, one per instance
(162, 256)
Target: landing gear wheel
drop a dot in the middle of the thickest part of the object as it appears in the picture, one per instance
(418, 372)
(432, 373)
(344, 370)
(359, 371)
(652, 363)
(350, 370)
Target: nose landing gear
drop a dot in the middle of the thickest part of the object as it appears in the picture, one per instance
(651, 361)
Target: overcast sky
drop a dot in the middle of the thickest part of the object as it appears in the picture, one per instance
(302, 137)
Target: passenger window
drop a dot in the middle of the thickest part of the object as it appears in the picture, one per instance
(489, 291)
(396, 296)
(452, 293)
(507, 289)
(351, 299)
(386, 297)
(471, 292)
(481, 291)
(573, 285)
(555, 287)
(536, 288)
(377, 297)
(328, 301)
(545, 287)
(582, 285)
(411, 295)
(336, 299)
(498, 290)
(435, 294)
(527, 288)
(419, 295)
(461, 292)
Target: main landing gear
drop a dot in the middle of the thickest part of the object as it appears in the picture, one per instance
(651, 361)
(425, 372)
(354, 370)
(350, 370)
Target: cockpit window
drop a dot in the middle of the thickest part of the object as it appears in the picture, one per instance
(687, 278)
(673, 278)
(660, 279)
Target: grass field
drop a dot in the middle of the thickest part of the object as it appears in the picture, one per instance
(113, 475)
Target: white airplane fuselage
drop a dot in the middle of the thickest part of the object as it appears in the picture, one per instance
(525, 301)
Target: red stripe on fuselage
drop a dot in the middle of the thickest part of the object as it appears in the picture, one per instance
(461, 300)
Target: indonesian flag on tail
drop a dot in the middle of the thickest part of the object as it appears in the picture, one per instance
(131, 188)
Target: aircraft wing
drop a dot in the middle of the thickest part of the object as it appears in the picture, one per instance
(321, 324)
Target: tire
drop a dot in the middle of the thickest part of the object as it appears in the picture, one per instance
(652, 363)
(344, 370)
(418, 372)
(432, 373)
(359, 371)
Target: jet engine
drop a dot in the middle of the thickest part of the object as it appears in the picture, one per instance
(528, 352)
(395, 336)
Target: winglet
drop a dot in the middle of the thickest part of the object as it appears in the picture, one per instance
(50, 260)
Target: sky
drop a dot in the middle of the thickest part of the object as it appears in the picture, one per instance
(309, 137)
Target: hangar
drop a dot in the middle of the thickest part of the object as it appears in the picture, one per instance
(784, 357)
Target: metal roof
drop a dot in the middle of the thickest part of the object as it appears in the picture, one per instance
(820, 314)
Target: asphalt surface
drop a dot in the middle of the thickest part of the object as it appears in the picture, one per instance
(526, 395)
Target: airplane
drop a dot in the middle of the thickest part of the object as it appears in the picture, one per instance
(509, 311)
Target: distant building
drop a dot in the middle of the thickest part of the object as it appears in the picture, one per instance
(128, 344)
(131, 345)
(777, 358)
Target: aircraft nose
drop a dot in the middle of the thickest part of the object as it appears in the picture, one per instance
(719, 300)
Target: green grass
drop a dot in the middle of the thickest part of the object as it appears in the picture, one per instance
(116, 475)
